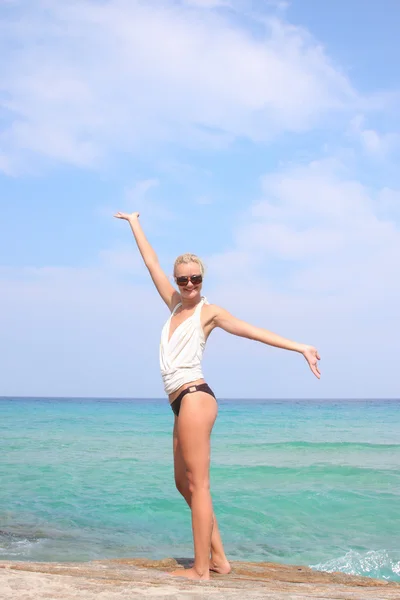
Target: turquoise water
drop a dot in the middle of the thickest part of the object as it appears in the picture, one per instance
(301, 482)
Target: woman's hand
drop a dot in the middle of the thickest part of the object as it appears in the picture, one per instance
(312, 357)
(126, 216)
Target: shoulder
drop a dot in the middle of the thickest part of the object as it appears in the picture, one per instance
(209, 308)
(175, 303)
(212, 312)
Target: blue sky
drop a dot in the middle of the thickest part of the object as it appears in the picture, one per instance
(263, 136)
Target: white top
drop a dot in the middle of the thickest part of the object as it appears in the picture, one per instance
(180, 357)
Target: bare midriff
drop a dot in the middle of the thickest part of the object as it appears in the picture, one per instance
(184, 387)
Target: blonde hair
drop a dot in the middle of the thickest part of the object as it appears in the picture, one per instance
(187, 258)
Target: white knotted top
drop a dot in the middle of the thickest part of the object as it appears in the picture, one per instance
(180, 356)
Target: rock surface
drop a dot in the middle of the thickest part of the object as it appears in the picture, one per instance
(139, 578)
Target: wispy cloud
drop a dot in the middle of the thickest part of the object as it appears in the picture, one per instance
(89, 79)
(75, 331)
(204, 200)
(138, 199)
(373, 142)
(5, 165)
(122, 258)
(207, 3)
(330, 234)
(138, 191)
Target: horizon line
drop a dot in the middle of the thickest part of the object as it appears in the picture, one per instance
(51, 397)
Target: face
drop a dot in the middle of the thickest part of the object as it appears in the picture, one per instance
(190, 290)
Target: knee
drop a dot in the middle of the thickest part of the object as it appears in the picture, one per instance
(196, 483)
(182, 485)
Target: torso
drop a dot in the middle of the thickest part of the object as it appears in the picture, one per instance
(206, 319)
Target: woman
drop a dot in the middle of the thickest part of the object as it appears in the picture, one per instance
(193, 402)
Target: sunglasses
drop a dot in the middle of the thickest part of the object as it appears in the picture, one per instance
(184, 280)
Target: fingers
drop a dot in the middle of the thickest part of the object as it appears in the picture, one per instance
(121, 215)
(315, 370)
(313, 362)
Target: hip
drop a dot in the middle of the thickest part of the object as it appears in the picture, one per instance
(198, 387)
(185, 386)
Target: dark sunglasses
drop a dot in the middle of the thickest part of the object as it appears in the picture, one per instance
(184, 280)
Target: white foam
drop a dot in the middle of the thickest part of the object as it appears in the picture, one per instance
(375, 563)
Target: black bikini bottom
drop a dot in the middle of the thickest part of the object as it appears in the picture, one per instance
(202, 387)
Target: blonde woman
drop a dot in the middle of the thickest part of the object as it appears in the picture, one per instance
(193, 402)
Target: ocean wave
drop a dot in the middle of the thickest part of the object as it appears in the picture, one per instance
(297, 445)
(378, 564)
(17, 544)
(321, 469)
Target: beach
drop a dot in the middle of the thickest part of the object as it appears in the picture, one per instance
(112, 580)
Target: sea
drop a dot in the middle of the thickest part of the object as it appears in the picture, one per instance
(306, 482)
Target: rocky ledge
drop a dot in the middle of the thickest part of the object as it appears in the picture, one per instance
(138, 578)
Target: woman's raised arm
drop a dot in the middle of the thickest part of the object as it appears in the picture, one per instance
(160, 279)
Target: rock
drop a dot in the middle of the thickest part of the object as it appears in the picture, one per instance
(131, 578)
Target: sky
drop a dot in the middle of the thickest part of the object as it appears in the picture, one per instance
(263, 136)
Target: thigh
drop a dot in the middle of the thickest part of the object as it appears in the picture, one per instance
(179, 463)
(194, 425)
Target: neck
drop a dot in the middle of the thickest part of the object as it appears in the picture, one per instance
(188, 303)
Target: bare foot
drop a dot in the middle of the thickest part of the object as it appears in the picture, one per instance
(221, 567)
(191, 574)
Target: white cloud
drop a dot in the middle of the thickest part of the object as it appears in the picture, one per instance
(207, 3)
(71, 331)
(330, 235)
(316, 261)
(203, 200)
(389, 203)
(138, 200)
(5, 165)
(123, 258)
(139, 190)
(373, 142)
(281, 5)
(90, 79)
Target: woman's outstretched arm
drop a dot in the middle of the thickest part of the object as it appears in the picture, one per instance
(161, 281)
(223, 319)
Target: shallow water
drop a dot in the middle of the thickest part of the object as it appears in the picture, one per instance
(301, 482)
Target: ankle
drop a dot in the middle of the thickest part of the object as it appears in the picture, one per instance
(218, 558)
(202, 571)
